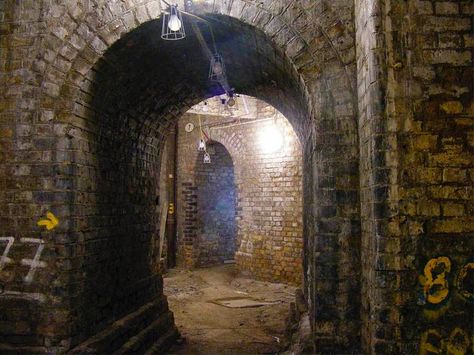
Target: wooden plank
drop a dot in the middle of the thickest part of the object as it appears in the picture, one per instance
(164, 216)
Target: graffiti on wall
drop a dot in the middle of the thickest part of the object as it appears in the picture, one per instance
(465, 281)
(5, 259)
(434, 280)
(33, 263)
(439, 280)
(432, 342)
(50, 222)
(441, 284)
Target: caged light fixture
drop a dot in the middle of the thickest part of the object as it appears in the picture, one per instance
(202, 145)
(207, 158)
(188, 5)
(217, 68)
(231, 101)
(172, 28)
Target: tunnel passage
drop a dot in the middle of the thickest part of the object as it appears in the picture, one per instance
(267, 160)
(128, 103)
(110, 123)
(385, 89)
(216, 199)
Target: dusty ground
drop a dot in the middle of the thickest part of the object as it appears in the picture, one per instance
(211, 329)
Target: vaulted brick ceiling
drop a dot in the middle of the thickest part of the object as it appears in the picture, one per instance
(142, 72)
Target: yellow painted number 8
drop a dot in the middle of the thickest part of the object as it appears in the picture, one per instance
(435, 285)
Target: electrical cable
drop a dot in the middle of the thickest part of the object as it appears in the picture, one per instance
(202, 135)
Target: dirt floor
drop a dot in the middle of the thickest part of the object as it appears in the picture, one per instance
(209, 328)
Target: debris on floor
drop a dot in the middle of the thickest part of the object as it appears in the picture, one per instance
(219, 313)
(241, 302)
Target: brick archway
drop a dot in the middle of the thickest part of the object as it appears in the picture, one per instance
(309, 77)
(402, 68)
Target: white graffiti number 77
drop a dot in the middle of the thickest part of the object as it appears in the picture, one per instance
(35, 262)
(4, 259)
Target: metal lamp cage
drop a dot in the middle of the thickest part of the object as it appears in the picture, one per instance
(217, 68)
(169, 21)
(202, 145)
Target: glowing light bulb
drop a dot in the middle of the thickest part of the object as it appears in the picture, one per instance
(271, 140)
(231, 102)
(174, 23)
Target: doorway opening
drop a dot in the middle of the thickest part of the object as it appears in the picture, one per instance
(119, 104)
(239, 225)
(216, 224)
(238, 190)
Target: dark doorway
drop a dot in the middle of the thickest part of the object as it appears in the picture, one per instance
(216, 194)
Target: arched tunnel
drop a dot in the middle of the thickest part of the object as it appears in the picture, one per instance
(378, 93)
(129, 100)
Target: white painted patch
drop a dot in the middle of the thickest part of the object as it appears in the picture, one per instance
(35, 262)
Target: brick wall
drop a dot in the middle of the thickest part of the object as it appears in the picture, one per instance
(268, 189)
(435, 180)
(373, 172)
(88, 92)
(57, 56)
(416, 155)
(270, 206)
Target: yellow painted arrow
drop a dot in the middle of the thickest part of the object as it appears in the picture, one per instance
(50, 223)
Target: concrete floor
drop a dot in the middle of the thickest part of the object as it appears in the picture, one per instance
(209, 328)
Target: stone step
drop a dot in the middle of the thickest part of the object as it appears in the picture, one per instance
(160, 332)
(118, 333)
(164, 343)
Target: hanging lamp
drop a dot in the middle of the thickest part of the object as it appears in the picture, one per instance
(217, 68)
(172, 27)
(202, 145)
(188, 5)
(207, 158)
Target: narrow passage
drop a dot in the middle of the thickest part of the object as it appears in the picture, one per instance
(210, 328)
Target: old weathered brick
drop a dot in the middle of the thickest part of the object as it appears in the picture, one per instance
(454, 175)
(453, 209)
(447, 56)
(452, 107)
(367, 83)
(459, 225)
(446, 8)
(6, 132)
(427, 141)
(428, 208)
